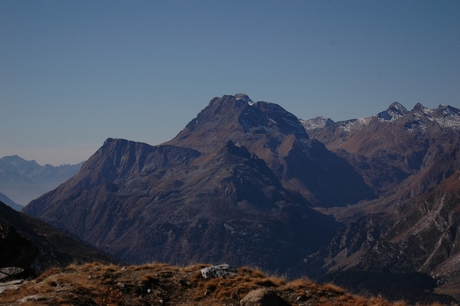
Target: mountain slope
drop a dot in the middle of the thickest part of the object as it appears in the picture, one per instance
(29, 243)
(23, 180)
(420, 235)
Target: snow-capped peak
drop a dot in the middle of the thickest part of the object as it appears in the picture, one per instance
(421, 108)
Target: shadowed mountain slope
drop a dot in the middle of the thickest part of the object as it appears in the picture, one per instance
(29, 243)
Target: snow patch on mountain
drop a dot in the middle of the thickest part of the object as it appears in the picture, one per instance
(316, 123)
(244, 97)
(354, 124)
(415, 124)
(448, 117)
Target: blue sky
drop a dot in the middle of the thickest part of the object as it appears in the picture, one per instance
(73, 73)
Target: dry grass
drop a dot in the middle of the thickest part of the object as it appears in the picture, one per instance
(160, 284)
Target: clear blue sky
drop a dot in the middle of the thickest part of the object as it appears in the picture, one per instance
(73, 73)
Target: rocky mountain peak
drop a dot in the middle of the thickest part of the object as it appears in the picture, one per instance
(243, 97)
(448, 111)
(420, 108)
(235, 117)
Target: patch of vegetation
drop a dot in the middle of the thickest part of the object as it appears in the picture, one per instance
(160, 284)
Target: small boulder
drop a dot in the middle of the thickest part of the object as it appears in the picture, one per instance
(263, 297)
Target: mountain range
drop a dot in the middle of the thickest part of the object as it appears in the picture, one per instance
(248, 183)
(22, 180)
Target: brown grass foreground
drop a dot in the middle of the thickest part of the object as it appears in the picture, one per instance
(160, 284)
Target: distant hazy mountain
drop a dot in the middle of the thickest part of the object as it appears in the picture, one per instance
(23, 181)
(10, 203)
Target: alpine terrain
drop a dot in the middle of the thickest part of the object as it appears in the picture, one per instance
(248, 183)
(412, 161)
(237, 185)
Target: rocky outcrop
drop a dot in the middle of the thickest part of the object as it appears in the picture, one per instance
(220, 271)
